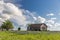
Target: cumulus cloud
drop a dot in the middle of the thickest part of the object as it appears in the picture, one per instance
(40, 19)
(51, 14)
(11, 12)
(30, 16)
(52, 25)
(50, 21)
(18, 16)
(21, 17)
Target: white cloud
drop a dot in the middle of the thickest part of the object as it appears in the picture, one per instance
(34, 18)
(53, 18)
(50, 21)
(16, 15)
(22, 17)
(52, 25)
(41, 19)
(51, 14)
(56, 27)
(57, 24)
(11, 12)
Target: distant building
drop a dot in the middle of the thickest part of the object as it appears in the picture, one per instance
(37, 27)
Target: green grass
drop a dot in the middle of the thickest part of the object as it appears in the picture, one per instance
(10, 35)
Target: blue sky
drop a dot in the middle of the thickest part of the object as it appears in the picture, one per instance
(42, 7)
(23, 12)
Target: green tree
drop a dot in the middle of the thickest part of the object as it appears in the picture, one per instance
(19, 29)
(7, 25)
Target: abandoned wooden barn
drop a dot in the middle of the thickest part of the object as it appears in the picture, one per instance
(37, 27)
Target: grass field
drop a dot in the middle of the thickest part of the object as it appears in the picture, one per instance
(17, 35)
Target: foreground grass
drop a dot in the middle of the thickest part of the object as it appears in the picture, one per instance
(6, 35)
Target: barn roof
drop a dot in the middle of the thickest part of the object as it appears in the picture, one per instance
(34, 25)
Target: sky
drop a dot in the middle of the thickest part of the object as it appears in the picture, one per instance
(24, 12)
(42, 7)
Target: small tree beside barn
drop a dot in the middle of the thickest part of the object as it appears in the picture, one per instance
(37, 27)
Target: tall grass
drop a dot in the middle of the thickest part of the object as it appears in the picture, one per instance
(7, 35)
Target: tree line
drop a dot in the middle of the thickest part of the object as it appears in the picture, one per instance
(8, 25)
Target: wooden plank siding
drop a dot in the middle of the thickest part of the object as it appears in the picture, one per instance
(37, 27)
